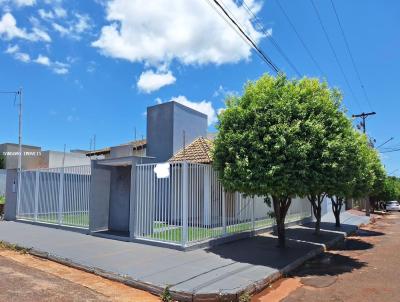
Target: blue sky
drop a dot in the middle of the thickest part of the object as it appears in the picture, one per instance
(92, 67)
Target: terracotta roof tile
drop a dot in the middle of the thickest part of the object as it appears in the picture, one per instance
(199, 151)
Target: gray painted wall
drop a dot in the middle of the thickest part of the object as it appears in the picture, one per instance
(165, 125)
(120, 199)
(99, 197)
(112, 194)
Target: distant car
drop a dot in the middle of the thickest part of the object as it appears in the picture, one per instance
(393, 206)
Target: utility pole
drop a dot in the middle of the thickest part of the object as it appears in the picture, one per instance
(364, 116)
(20, 149)
(19, 94)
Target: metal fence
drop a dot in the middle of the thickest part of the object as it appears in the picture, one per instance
(3, 175)
(56, 196)
(190, 206)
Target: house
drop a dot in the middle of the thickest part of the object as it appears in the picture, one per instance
(34, 158)
(161, 190)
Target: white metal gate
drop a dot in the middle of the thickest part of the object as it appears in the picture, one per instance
(191, 206)
(56, 196)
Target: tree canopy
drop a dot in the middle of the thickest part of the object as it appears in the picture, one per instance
(286, 138)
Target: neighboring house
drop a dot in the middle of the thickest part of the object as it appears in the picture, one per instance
(134, 148)
(199, 151)
(34, 158)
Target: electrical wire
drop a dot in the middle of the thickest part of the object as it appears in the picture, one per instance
(351, 56)
(271, 38)
(265, 58)
(334, 53)
(300, 38)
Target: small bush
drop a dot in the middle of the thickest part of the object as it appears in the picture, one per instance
(245, 297)
(166, 295)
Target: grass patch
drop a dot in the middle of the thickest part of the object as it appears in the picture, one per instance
(13, 247)
(78, 220)
(172, 233)
(2, 199)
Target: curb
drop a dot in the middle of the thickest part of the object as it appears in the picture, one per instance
(187, 296)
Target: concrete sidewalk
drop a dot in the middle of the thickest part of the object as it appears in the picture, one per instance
(226, 270)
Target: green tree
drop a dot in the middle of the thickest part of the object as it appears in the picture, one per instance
(328, 128)
(370, 172)
(262, 147)
(349, 169)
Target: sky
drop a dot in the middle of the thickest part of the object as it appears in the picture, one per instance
(93, 67)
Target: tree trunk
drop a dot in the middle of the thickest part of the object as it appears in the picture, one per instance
(337, 208)
(316, 204)
(281, 206)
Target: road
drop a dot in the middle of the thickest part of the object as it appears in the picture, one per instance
(366, 267)
(25, 278)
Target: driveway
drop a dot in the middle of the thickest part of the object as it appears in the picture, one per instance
(365, 268)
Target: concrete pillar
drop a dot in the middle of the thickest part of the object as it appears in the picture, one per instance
(10, 211)
(99, 197)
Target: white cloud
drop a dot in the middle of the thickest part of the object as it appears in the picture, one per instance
(12, 49)
(23, 57)
(45, 14)
(150, 81)
(60, 68)
(43, 60)
(60, 12)
(82, 24)
(75, 28)
(9, 30)
(203, 106)
(223, 92)
(61, 29)
(21, 3)
(159, 31)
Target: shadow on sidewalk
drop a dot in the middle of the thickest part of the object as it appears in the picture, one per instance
(263, 250)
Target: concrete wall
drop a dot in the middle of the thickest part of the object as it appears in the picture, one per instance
(165, 125)
(99, 197)
(11, 195)
(55, 159)
(3, 177)
(194, 124)
(112, 194)
(30, 158)
(119, 207)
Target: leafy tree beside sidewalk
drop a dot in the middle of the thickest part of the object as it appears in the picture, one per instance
(262, 145)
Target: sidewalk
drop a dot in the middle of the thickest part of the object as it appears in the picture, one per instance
(225, 270)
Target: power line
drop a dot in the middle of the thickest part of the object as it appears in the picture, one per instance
(253, 44)
(334, 52)
(384, 143)
(389, 151)
(351, 55)
(280, 50)
(300, 38)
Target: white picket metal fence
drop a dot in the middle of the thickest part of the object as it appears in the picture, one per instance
(56, 196)
(190, 206)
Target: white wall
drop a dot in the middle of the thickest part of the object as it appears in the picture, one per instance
(55, 159)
